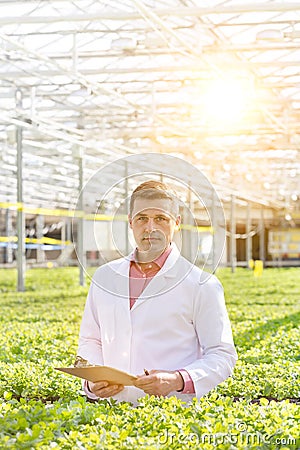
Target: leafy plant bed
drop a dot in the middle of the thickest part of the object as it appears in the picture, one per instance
(211, 422)
(258, 407)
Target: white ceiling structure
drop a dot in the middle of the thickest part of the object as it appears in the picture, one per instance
(214, 82)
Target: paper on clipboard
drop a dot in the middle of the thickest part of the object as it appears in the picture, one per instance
(99, 373)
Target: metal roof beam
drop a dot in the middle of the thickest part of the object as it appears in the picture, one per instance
(135, 15)
(8, 75)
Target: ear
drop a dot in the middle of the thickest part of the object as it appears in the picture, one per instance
(177, 223)
(129, 221)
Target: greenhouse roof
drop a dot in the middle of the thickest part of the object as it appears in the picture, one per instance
(216, 83)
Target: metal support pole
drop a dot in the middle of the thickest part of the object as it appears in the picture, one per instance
(232, 235)
(40, 254)
(9, 232)
(63, 233)
(20, 212)
(248, 238)
(68, 225)
(80, 231)
(262, 236)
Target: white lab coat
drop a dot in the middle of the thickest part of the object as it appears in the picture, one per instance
(179, 322)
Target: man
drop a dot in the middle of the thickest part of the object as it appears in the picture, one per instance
(156, 310)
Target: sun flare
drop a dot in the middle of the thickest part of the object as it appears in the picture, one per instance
(227, 100)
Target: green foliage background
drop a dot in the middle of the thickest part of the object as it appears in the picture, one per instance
(255, 408)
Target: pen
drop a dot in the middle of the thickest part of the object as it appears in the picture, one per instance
(146, 372)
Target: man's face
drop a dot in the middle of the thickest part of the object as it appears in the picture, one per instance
(153, 224)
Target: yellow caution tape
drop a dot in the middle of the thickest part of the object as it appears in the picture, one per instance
(195, 228)
(81, 215)
(42, 211)
(43, 240)
(60, 212)
(105, 217)
(47, 240)
(8, 239)
(53, 212)
(9, 205)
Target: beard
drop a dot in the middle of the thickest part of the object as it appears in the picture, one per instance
(152, 245)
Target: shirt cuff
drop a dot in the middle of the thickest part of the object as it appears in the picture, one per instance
(87, 392)
(188, 386)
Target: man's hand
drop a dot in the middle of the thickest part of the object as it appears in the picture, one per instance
(103, 390)
(160, 382)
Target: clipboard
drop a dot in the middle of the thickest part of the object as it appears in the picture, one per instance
(99, 373)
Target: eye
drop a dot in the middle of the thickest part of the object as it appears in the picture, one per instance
(161, 219)
(142, 218)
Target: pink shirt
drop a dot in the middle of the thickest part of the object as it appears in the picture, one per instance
(140, 275)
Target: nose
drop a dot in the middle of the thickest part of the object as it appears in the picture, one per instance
(150, 226)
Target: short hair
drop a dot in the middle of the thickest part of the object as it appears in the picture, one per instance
(153, 190)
